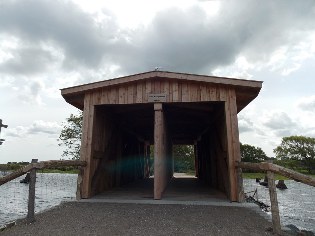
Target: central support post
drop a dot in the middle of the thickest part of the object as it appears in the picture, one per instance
(160, 159)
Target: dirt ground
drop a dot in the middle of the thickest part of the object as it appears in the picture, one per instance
(77, 218)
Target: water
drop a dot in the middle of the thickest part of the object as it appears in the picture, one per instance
(51, 190)
(296, 204)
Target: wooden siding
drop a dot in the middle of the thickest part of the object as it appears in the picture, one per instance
(175, 91)
(162, 74)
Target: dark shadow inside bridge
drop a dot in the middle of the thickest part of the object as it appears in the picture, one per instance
(182, 187)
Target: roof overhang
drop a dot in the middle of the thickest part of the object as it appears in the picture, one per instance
(246, 90)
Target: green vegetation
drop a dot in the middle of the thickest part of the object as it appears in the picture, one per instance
(252, 154)
(297, 152)
(261, 176)
(12, 166)
(70, 171)
(70, 136)
(184, 159)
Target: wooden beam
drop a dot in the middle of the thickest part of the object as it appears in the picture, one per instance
(31, 195)
(274, 203)
(87, 145)
(264, 166)
(233, 145)
(159, 155)
(40, 165)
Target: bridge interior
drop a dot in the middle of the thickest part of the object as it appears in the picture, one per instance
(122, 153)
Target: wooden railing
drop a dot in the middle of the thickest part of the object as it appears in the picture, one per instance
(31, 168)
(271, 169)
(38, 166)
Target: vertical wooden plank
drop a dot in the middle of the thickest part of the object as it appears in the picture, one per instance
(148, 89)
(198, 98)
(113, 95)
(139, 93)
(122, 94)
(204, 93)
(134, 89)
(97, 96)
(166, 90)
(103, 97)
(185, 93)
(159, 162)
(274, 203)
(180, 98)
(236, 143)
(86, 145)
(232, 143)
(144, 92)
(193, 92)
(157, 86)
(212, 89)
(30, 218)
(223, 93)
(196, 159)
(130, 94)
(175, 91)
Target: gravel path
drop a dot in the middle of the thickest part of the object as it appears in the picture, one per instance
(75, 218)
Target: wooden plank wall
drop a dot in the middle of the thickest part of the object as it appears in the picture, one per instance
(137, 92)
(224, 136)
(233, 146)
(113, 157)
(86, 146)
(106, 153)
(212, 155)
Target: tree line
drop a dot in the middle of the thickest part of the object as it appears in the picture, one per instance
(294, 152)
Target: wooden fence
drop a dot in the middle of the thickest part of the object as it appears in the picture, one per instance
(264, 166)
(31, 168)
(271, 169)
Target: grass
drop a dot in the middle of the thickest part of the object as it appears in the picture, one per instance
(261, 176)
(73, 171)
(247, 175)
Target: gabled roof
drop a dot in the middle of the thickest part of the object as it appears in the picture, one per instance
(161, 74)
(246, 90)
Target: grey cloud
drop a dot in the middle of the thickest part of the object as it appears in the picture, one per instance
(245, 124)
(177, 43)
(52, 129)
(188, 41)
(176, 40)
(84, 42)
(27, 61)
(281, 124)
(307, 103)
(279, 120)
(30, 92)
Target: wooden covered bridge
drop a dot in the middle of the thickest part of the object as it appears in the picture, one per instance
(122, 117)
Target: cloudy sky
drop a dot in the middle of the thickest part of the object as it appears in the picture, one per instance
(47, 45)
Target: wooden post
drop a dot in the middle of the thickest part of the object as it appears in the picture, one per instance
(274, 203)
(147, 159)
(233, 146)
(196, 158)
(159, 156)
(87, 147)
(31, 196)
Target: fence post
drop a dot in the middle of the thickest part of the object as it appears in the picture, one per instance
(274, 203)
(31, 195)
